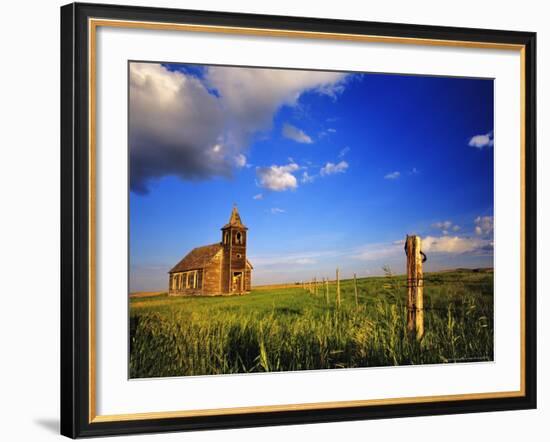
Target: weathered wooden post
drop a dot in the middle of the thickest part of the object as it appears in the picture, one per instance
(355, 287)
(338, 300)
(415, 286)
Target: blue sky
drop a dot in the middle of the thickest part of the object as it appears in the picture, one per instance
(327, 169)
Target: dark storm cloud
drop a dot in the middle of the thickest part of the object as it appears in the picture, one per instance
(179, 127)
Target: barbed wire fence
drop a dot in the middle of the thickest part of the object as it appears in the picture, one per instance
(414, 284)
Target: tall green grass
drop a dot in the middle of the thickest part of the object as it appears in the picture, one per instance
(291, 329)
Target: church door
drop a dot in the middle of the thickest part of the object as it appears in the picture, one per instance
(237, 282)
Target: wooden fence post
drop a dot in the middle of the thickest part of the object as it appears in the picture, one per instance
(355, 287)
(338, 300)
(415, 286)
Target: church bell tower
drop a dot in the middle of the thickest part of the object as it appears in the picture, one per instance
(234, 254)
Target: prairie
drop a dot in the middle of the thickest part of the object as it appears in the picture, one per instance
(288, 328)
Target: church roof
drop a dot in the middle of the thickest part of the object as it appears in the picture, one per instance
(234, 220)
(197, 258)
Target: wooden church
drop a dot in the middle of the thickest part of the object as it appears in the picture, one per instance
(215, 269)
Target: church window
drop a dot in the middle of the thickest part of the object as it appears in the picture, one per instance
(191, 280)
(239, 238)
(199, 279)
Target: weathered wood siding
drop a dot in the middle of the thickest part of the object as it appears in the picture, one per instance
(247, 279)
(212, 275)
(224, 271)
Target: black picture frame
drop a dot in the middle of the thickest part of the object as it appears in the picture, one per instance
(75, 221)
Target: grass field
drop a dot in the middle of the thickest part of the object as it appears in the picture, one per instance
(286, 329)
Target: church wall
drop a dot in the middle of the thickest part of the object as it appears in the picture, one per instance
(247, 279)
(178, 283)
(212, 276)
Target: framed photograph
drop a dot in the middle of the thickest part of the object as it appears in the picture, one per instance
(274, 220)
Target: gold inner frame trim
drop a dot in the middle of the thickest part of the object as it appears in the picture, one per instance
(93, 24)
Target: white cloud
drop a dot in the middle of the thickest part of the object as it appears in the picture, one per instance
(481, 141)
(259, 196)
(381, 251)
(455, 244)
(331, 130)
(278, 178)
(392, 175)
(323, 134)
(196, 128)
(344, 152)
(484, 225)
(240, 160)
(331, 168)
(446, 227)
(306, 257)
(307, 178)
(251, 96)
(296, 134)
(443, 225)
(276, 210)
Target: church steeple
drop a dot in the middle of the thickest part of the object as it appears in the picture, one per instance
(234, 219)
(234, 238)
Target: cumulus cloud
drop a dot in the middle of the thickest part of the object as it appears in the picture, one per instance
(481, 141)
(455, 244)
(251, 96)
(278, 178)
(332, 168)
(196, 128)
(175, 127)
(446, 226)
(307, 178)
(446, 244)
(484, 225)
(296, 134)
(240, 160)
(392, 175)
